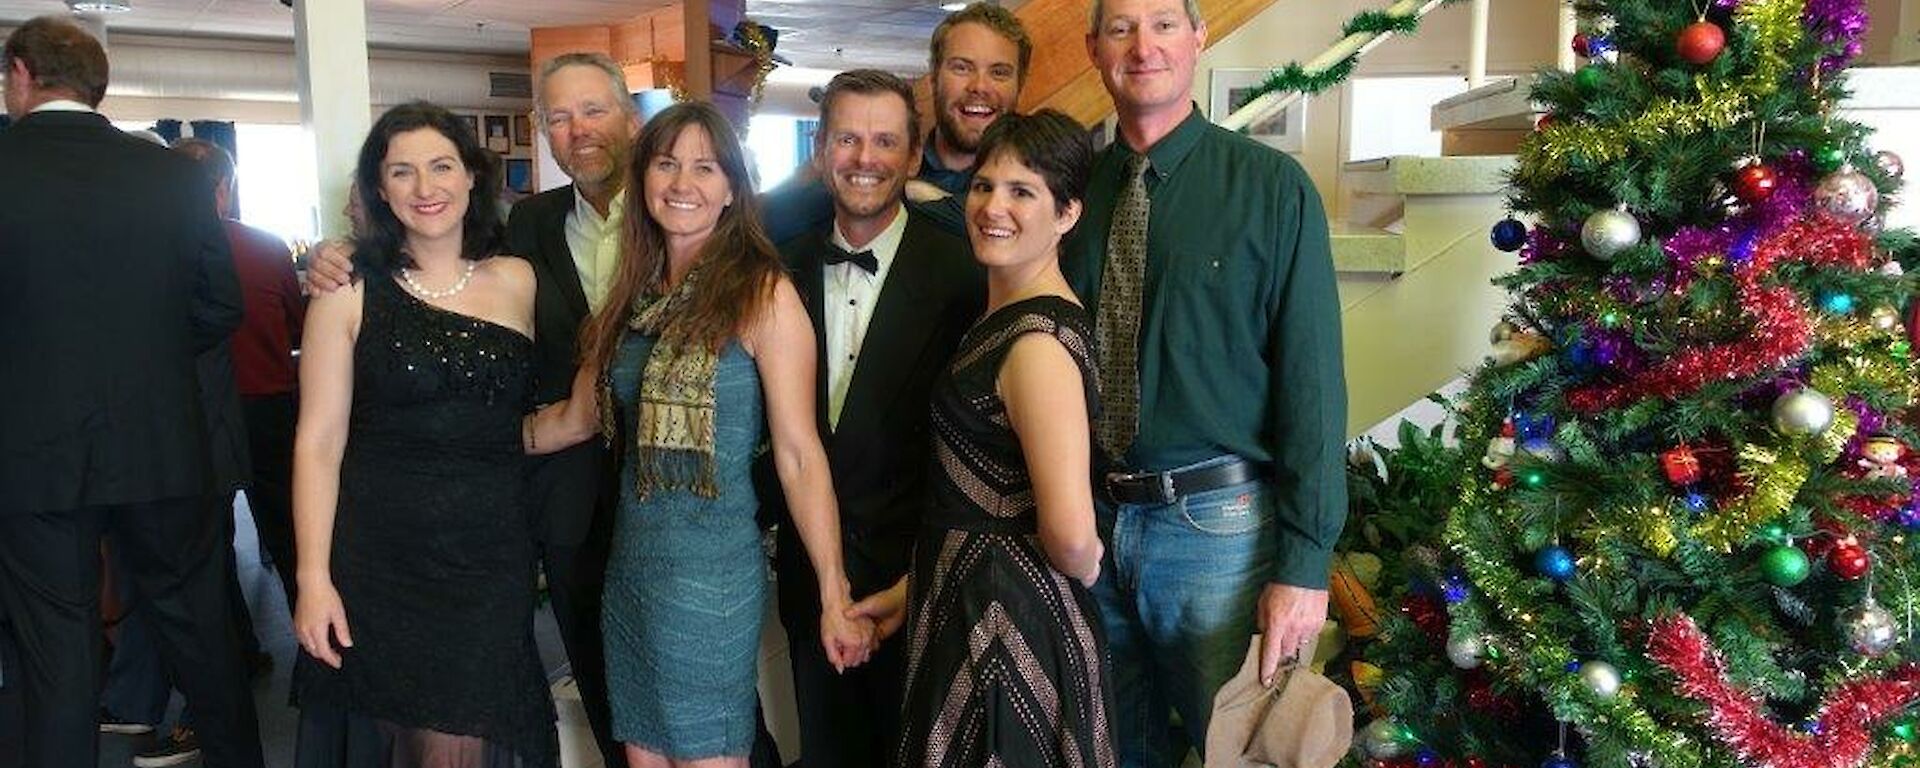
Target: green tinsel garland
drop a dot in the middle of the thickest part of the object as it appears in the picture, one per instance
(1295, 77)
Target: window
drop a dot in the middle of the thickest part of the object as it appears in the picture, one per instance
(775, 154)
(1391, 115)
(277, 184)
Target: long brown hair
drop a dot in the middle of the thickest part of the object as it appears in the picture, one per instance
(739, 268)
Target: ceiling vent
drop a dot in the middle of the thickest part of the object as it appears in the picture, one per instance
(509, 85)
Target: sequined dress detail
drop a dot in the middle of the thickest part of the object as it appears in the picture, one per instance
(1006, 660)
(432, 553)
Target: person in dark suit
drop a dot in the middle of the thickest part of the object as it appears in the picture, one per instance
(890, 294)
(108, 435)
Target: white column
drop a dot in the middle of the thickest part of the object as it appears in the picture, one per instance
(1477, 45)
(330, 48)
(1569, 22)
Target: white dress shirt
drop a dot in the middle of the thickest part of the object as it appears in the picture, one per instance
(62, 105)
(586, 229)
(850, 294)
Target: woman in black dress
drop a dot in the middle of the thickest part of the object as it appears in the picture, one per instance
(416, 569)
(1005, 660)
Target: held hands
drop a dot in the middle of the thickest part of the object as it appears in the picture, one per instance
(319, 617)
(848, 642)
(886, 609)
(329, 265)
(1289, 617)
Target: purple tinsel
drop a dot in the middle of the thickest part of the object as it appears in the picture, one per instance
(1840, 23)
(1871, 422)
(1541, 245)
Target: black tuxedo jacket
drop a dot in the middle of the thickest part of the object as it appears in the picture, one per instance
(881, 453)
(566, 488)
(118, 274)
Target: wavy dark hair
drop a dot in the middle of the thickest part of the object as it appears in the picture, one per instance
(381, 247)
(740, 268)
(1054, 145)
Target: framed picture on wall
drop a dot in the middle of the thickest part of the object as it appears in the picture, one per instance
(1231, 88)
(497, 137)
(473, 124)
(520, 174)
(522, 130)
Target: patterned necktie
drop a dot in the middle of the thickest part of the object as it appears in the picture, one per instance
(862, 259)
(1117, 326)
(606, 254)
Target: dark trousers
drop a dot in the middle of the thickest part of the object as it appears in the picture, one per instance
(138, 682)
(50, 582)
(850, 719)
(270, 423)
(572, 495)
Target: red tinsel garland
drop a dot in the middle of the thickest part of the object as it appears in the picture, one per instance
(1782, 328)
(1847, 717)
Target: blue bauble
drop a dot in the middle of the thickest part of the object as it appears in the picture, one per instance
(1509, 235)
(1554, 562)
(1837, 303)
(1559, 761)
(1598, 45)
(1698, 502)
(1425, 757)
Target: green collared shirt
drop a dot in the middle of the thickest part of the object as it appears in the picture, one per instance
(1240, 324)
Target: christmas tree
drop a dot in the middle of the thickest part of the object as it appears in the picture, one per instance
(1689, 538)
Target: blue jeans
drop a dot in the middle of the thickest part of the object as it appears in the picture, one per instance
(1177, 593)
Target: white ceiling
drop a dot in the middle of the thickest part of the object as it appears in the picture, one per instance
(831, 34)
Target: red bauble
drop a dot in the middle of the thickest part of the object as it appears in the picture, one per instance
(1681, 466)
(1700, 42)
(1755, 182)
(1580, 44)
(1545, 120)
(1849, 560)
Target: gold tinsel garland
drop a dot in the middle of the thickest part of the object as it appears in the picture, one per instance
(1774, 28)
(1776, 480)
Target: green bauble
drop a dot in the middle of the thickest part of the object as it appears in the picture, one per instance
(1828, 157)
(1784, 566)
(1592, 76)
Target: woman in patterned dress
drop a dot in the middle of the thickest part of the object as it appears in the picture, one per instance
(1005, 659)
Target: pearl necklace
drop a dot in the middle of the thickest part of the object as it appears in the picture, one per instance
(406, 276)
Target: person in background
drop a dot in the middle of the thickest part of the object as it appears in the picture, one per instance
(123, 277)
(1204, 259)
(1001, 620)
(978, 56)
(415, 566)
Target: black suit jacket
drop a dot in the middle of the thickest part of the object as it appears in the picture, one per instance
(118, 274)
(566, 488)
(881, 453)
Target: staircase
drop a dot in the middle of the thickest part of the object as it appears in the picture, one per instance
(1414, 263)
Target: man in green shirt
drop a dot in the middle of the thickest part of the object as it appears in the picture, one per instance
(1204, 259)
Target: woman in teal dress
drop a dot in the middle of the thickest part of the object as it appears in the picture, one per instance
(702, 340)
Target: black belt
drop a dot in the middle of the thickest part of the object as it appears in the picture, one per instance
(1168, 487)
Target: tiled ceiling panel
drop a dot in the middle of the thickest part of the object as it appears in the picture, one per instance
(832, 34)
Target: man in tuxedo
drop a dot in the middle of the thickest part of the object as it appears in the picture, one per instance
(107, 435)
(890, 295)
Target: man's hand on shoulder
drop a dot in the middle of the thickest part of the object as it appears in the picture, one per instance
(329, 265)
(923, 192)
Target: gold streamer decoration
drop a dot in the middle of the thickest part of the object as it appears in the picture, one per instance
(1774, 28)
(1656, 526)
(1776, 479)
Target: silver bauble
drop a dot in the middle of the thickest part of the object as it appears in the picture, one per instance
(1846, 196)
(1466, 651)
(1601, 678)
(1802, 412)
(1884, 318)
(1503, 330)
(1608, 232)
(1381, 739)
(1889, 164)
(1871, 629)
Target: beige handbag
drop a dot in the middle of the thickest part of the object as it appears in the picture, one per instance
(1302, 721)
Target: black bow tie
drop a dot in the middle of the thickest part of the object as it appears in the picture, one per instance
(862, 259)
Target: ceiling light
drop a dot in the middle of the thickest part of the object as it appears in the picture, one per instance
(100, 6)
(951, 7)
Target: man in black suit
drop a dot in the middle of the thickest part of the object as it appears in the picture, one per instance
(571, 236)
(121, 276)
(890, 294)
